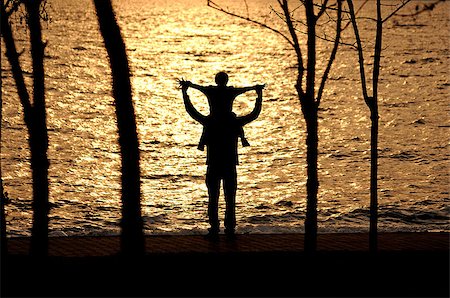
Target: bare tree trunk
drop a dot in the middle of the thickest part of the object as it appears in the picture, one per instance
(3, 239)
(309, 109)
(132, 237)
(16, 69)
(4, 247)
(372, 103)
(38, 135)
(312, 185)
(35, 119)
(4, 243)
(13, 57)
(373, 229)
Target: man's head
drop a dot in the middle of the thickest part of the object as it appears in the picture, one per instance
(221, 79)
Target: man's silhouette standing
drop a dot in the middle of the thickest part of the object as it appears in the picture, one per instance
(221, 130)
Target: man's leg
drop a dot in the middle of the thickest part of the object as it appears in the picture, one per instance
(230, 188)
(213, 185)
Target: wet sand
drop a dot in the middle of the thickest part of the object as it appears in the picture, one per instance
(407, 265)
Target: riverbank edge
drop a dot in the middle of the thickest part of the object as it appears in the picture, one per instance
(415, 265)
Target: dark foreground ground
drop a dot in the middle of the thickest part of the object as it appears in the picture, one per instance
(407, 265)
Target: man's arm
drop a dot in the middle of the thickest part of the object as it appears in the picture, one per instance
(192, 111)
(243, 120)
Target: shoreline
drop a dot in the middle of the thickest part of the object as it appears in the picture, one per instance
(407, 264)
(84, 246)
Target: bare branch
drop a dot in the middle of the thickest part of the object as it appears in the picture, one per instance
(324, 38)
(217, 7)
(290, 21)
(279, 15)
(246, 8)
(404, 3)
(322, 9)
(13, 58)
(331, 7)
(377, 54)
(311, 49)
(296, 44)
(360, 49)
(356, 13)
(426, 7)
(14, 7)
(333, 52)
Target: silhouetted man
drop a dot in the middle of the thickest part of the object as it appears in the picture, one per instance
(221, 130)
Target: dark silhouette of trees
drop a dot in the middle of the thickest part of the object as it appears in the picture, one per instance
(3, 244)
(372, 104)
(39, 142)
(3, 239)
(132, 237)
(308, 91)
(34, 115)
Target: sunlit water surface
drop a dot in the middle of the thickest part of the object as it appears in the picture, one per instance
(167, 40)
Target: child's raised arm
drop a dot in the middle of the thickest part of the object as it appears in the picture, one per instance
(240, 90)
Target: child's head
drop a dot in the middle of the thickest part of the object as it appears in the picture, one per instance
(221, 78)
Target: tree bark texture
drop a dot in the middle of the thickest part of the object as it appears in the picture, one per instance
(38, 136)
(310, 113)
(310, 110)
(3, 244)
(373, 229)
(132, 237)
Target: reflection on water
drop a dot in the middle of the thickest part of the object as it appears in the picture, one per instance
(167, 40)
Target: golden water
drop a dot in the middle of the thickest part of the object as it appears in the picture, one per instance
(167, 40)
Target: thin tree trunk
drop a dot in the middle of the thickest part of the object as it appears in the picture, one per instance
(16, 69)
(132, 237)
(4, 247)
(13, 58)
(372, 103)
(373, 229)
(312, 184)
(38, 136)
(4, 243)
(309, 109)
(311, 44)
(3, 239)
(34, 118)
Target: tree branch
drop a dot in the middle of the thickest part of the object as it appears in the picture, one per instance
(359, 48)
(333, 52)
(322, 9)
(377, 53)
(296, 43)
(311, 46)
(356, 13)
(13, 58)
(217, 7)
(14, 7)
(396, 10)
(426, 7)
